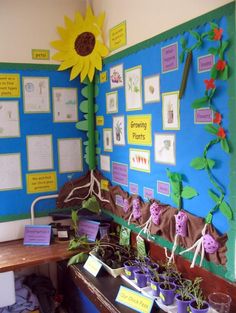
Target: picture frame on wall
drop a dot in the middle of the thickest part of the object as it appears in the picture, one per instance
(164, 147)
(116, 76)
(111, 102)
(152, 89)
(133, 88)
(119, 130)
(170, 111)
(107, 139)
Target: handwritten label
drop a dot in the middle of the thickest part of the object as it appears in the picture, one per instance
(120, 173)
(99, 120)
(133, 188)
(41, 182)
(148, 193)
(88, 228)
(92, 266)
(203, 116)
(40, 54)
(119, 201)
(103, 77)
(134, 300)
(104, 184)
(163, 188)
(37, 235)
(9, 85)
(169, 58)
(139, 129)
(205, 63)
(117, 36)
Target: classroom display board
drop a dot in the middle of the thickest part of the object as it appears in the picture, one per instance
(155, 132)
(40, 148)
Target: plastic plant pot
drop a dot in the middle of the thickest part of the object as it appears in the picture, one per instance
(140, 278)
(194, 309)
(130, 267)
(167, 292)
(182, 305)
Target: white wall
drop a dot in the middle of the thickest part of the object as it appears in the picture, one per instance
(147, 18)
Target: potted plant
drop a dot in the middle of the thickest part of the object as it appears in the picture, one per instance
(155, 280)
(183, 295)
(198, 304)
(167, 292)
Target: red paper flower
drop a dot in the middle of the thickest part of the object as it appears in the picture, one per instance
(217, 33)
(217, 118)
(221, 133)
(220, 65)
(210, 83)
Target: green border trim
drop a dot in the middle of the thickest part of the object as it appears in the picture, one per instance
(28, 66)
(214, 268)
(180, 29)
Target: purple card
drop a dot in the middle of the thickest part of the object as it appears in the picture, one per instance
(205, 63)
(119, 200)
(37, 235)
(163, 188)
(203, 116)
(133, 188)
(148, 193)
(169, 58)
(89, 228)
(120, 173)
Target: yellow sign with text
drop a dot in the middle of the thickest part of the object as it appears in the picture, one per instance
(134, 300)
(139, 129)
(99, 120)
(9, 85)
(40, 54)
(103, 77)
(117, 36)
(41, 182)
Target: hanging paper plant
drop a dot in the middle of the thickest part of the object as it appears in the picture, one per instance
(81, 47)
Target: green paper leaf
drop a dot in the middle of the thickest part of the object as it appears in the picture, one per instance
(224, 145)
(223, 75)
(74, 216)
(214, 72)
(84, 92)
(213, 196)
(210, 162)
(224, 46)
(84, 106)
(188, 193)
(96, 107)
(78, 258)
(199, 103)
(213, 25)
(174, 176)
(198, 163)
(86, 116)
(195, 34)
(181, 57)
(82, 125)
(226, 210)
(176, 187)
(211, 129)
(183, 42)
(212, 92)
(176, 199)
(91, 204)
(213, 51)
(208, 218)
(86, 143)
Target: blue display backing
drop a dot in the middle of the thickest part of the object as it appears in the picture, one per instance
(191, 139)
(15, 204)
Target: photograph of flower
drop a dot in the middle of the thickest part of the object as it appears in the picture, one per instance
(133, 88)
(164, 147)
(111, 102)
(107, 139)
(170, 111)
(139, 160)
(119, 130)
(116, 76)
(152, 89)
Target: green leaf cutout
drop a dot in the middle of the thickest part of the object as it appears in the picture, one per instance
(211, 163)
(213, 25)
(213, 51)
(200, 103)
(78, 258)
(82, 125)
(96, 108)
(214, 72)
(195, 34)
(181, 57)
(74, 216)
(213, 196)
(183, 42)
(91, 204)
(85, 143)
(84, 106)
(175, 198)
(211, 129)
(198, 163)
(188, 192)
(226, 210)
(84, 92)
(208, 218)
(224, 75)
(223, 47)
(224, 145)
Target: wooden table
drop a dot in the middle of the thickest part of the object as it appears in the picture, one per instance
(14, 255)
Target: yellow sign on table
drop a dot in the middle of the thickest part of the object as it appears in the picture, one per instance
(41, 182)
(9, 85)
(117, 36)
(139, 129)
(134, 300)
(104, 184)
(40, 54)
(99, 120)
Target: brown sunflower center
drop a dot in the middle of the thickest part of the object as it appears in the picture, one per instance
(84, 43)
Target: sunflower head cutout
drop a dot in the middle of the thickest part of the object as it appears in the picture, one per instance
(81, 46)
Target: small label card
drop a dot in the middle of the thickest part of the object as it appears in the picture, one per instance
(163, 188)
(203, 116)
(134, 300)
(37, 235)
(89, 228)
(92, 266)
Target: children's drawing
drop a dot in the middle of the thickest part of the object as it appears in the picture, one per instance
(152, 89)
(139, 160)
(133, 88)
(119, 130)
(165, 148)
(170, 111)
(65, 104)
(116, 76)
(112, 102)
(107, 139)
(9, 119)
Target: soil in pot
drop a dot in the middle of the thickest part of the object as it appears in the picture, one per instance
(183, 304)
(194, 308)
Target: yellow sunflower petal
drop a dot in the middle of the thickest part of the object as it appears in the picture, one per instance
(100, 19)
(85, 70)
(101, 48)
(68, 22)
(59, 45)
(59, 56)
(67, 64)
(76, 69)
(89, 17)
(91, 72)
(78, 19)
(96, 60)
(62, 32)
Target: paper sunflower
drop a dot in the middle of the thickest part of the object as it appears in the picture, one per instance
(81, 46)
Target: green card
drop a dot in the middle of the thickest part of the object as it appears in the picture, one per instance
(141, 247)
(124, 236)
